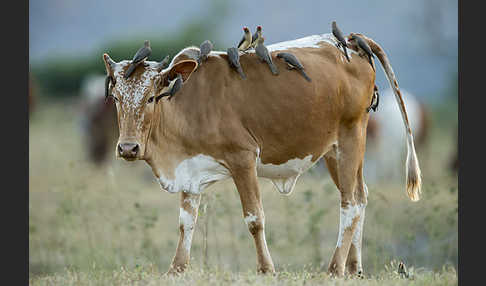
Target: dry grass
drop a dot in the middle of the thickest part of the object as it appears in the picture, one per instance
(113, 225)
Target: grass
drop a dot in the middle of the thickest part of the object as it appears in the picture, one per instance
(149, 275)
(112, 224)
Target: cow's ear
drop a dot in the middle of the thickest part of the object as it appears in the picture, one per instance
(109, 64)
(185, 68)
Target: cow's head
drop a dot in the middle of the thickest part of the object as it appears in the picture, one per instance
(136, 100)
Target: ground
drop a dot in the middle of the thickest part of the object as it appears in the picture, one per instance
(113, 225)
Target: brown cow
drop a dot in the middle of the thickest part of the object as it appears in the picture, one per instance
(219, 126)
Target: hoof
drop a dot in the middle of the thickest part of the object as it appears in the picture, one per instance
(175, 270)
(266, 270)
(334, 271)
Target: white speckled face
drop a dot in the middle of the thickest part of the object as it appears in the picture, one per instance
(132, 103)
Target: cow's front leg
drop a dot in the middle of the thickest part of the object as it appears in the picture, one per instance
(245, 178)
(187, 223)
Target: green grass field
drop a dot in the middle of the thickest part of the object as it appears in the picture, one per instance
(107, 225)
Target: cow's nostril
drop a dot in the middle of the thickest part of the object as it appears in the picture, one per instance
(128, 150)
(135, 149)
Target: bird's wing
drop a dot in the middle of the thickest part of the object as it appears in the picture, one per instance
(141, 54)
(242, 40)
(294, 61)
(365, 47)
(254, 37)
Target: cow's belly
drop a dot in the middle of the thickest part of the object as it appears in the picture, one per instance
(284, 176)
(194, 174)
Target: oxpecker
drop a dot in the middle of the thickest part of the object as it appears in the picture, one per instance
(363, 47)
(234, 60)
(245, 42)
(375, 100)
(205, 49)
(256, 36)
(339, 36)
(142, 54)
(293, 63)
(174, 86)
(163, 63)
(264, 55)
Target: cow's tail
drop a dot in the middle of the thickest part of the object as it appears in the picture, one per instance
(413, 173)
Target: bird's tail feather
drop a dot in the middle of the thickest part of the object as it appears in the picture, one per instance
(273, 68)
(346, 53)
(129, 71)
(305, 75)
(240, 71)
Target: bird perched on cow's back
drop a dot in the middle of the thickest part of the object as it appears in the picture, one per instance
(205, 48)
(363, 47)
(264, 55)
(256, 35)
(142, 54)
(174, 87)
(293, 63)
(339, 36)
(245, 42)
(234, 60)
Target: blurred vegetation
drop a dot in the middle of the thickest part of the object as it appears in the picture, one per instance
(62, 76)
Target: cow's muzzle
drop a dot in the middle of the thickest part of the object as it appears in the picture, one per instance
(128, 151)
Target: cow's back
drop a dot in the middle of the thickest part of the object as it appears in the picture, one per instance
(286, 115)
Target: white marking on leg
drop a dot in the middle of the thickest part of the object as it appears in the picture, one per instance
(193, 201)
(250, 218)
(186, 220)
(346, 217)
(356, 241)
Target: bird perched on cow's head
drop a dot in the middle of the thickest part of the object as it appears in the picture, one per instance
(204, 49)
(140, 56)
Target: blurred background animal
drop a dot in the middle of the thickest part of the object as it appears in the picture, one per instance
(97, 120)
(385, 143)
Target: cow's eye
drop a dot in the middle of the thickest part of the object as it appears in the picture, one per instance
(151, 99)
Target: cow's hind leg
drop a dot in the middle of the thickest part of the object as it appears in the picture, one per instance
(189, 206)
(349, 156)
(353, 262)
(244, 175)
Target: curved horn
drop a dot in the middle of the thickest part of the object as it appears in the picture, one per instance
(109, 61)
(163, 64)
